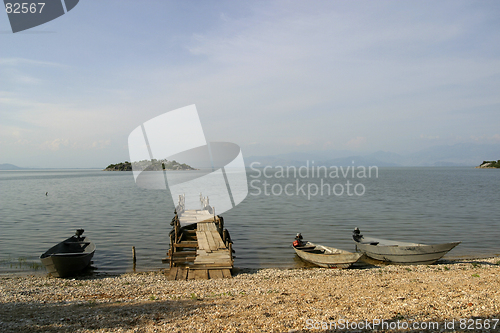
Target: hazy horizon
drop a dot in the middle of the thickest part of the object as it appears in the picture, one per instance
(456, 155)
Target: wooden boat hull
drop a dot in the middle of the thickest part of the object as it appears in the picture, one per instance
(407, 255)
(402, 253)
(63, 266)
(330, 258)
(68, 257)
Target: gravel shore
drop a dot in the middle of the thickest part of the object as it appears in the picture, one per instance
(267, 300)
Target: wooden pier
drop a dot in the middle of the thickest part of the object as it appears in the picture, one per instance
(200, 247)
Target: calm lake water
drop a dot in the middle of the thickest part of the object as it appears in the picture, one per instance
(428, 205)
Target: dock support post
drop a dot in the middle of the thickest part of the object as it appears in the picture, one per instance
(133, 258)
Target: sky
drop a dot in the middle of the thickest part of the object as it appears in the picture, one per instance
(271, 76)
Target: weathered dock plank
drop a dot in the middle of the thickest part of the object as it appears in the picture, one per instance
(226, 273)
(203, 242)
(182, 274)
(215, 273)
(211, 242)
(189, 244)
(201, 274)
(218, 240)
(173, 273)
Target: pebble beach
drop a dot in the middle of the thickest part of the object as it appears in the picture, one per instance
(454, 295)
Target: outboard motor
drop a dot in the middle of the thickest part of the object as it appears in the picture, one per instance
(356, 234)
(298, 240)
(79, 233)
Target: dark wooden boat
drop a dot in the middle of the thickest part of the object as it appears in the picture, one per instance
(324, 256)
(69, 256)
(400, 253)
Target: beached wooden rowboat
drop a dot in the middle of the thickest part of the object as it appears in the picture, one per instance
(401, 253)
(69, 256)
(324, 256)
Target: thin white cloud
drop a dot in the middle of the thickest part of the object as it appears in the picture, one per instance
(429, 137)
(60, 143)
(356, 143)
(55, 144)
(16, 62)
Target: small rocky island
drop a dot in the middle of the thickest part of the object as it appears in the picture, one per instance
(153, 165)
(489, 165)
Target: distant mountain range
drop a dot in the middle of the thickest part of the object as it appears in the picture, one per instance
(461, 154)
(7, 166)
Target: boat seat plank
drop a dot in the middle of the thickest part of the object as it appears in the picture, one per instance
(70, 254)
(316, 251)
(305, 248)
